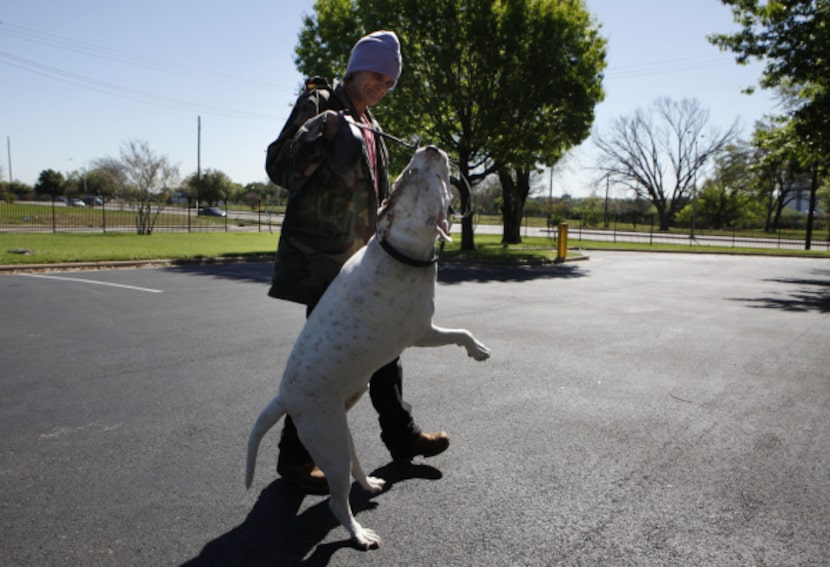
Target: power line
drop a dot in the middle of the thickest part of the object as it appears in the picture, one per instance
(666, 66)
(108, 88)
(128, 58)
(122, 56)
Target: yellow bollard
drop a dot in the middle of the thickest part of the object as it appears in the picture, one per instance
(562, 243)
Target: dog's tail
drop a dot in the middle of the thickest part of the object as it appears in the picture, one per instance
(272, 413)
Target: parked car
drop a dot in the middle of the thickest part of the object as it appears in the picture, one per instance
(76, 203)
(212, 212)
(94, 201)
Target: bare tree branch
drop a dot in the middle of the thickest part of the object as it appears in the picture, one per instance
(659, 153)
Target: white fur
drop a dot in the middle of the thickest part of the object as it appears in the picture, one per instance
(374, 309)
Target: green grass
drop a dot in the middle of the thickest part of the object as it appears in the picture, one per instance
(28, 216)
(490, 248)
(819, 234)
(587, 245)
(84, 247)
(66, 247)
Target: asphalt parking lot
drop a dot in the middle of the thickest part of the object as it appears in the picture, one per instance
(638, 409)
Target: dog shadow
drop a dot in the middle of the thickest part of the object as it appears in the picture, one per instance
(274, 534)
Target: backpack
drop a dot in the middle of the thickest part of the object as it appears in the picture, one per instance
(313, 84)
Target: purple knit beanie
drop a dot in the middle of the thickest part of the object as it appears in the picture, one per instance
(379, 52)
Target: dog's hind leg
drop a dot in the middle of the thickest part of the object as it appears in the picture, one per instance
(272, 413)
(370, 484)
(326, 436)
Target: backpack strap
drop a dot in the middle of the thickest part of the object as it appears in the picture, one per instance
(321, 86)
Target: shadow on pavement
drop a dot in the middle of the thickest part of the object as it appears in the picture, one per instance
(810, 295)
(452, 273)
(449, 273)
(253, 272)
(273, 533)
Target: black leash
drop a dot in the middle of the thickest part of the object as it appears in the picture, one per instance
(411, 145)
(460, 182)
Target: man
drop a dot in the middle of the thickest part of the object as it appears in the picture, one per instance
(336, 175)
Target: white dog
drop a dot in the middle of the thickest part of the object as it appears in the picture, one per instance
(381, 302)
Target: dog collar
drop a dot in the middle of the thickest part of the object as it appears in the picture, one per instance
(403, 258)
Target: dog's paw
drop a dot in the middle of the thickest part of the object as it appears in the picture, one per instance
(374, 484)
(478, 351)
(366, 539)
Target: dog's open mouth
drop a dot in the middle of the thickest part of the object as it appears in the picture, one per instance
(443, 225)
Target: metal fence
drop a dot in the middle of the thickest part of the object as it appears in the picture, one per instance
(65, 216)
(780, 240)
(648, 235)
(62, 216)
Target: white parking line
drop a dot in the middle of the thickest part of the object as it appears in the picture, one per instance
(94, 282)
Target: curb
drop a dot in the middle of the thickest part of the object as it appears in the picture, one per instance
(123, 264)
(166, 262)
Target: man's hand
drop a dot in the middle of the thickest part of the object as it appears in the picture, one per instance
(330, 125)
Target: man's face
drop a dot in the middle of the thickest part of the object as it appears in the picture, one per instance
(371, 87)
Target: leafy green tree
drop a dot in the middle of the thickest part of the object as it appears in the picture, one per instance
(502, 85)
(15, 190)
(101, 183)
(779, 166)
(549, 89)
(590, 210)
(253, 194)
(792, 37)
(728, 193)
(824, 201)
(50, 183)
(211, 187)
(109, 176)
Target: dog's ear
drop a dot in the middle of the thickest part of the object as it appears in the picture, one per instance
(386, 212)
(385, 218)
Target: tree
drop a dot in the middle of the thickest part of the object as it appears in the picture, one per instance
(213, 186)
(50, 183)
(99, 182)
(546, 97)
(18, 190)
(501, 85)
(658, 154)
(727, 196)
(147, 176)
(113, 176)
(792, 37)
(778, 166)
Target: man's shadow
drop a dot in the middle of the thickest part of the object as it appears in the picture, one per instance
(273, 533)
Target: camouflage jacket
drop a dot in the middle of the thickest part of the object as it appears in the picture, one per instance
(328, 216)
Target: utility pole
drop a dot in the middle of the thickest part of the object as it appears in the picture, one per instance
(198, 158)
(550, 190)
(607, 182)
(9, 148)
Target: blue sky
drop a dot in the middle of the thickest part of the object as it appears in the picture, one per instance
(81, 77)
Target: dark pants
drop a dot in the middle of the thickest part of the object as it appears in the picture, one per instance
(394, 414)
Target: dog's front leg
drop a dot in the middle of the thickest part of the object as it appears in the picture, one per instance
(439, 336)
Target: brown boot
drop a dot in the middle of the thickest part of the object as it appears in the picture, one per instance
(307, 476)
(424, 444)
